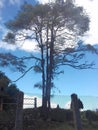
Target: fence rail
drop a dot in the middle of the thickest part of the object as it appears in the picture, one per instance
(29, 101)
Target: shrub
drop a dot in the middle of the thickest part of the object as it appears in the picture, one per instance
(61, 115)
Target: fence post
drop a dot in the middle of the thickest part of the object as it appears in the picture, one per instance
(35, 102)
(19, 112)
(1, 103)
(76, 112)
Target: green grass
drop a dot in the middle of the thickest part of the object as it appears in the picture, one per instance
(67, 126)
(59, 119)
(62, 126)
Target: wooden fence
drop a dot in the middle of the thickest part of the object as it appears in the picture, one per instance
(18, 105)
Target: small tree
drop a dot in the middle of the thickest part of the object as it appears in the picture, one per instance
(8, 91)
(57, 28)
(89, 114)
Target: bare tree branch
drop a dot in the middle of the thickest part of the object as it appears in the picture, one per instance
(80, 66)
(23, 74)
(30, 57)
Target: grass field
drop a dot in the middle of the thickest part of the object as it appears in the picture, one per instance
(61, 126)
(58, 119)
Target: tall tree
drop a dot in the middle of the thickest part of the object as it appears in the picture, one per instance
(57, 28)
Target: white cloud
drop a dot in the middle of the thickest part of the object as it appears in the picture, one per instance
(53, 105)
(92, 10)
(6, 46)
(29, 46)
(67, 105)
(1, 3)
(91, 37)
(44, 1)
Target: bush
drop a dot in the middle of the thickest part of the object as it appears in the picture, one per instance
(91, 116)
(61, 115)
(95, 116)
(12, 92)
(8, 92)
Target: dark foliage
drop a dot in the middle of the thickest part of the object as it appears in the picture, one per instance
(8, 92)
(11, 61)
(91, 116)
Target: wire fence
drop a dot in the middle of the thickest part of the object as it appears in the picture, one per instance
(12, 119)
(35, 100)
(11, 111)
(64, 101)
(30, 102)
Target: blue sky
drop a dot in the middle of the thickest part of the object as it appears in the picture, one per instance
(82, 82)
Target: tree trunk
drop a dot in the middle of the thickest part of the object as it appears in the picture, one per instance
(44, 102)
(51, 66)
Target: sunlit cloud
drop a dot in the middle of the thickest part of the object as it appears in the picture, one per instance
(91, 36)
(43, 1)
(7, 46)
(29, 46)
(67, 105)
(92, 10)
